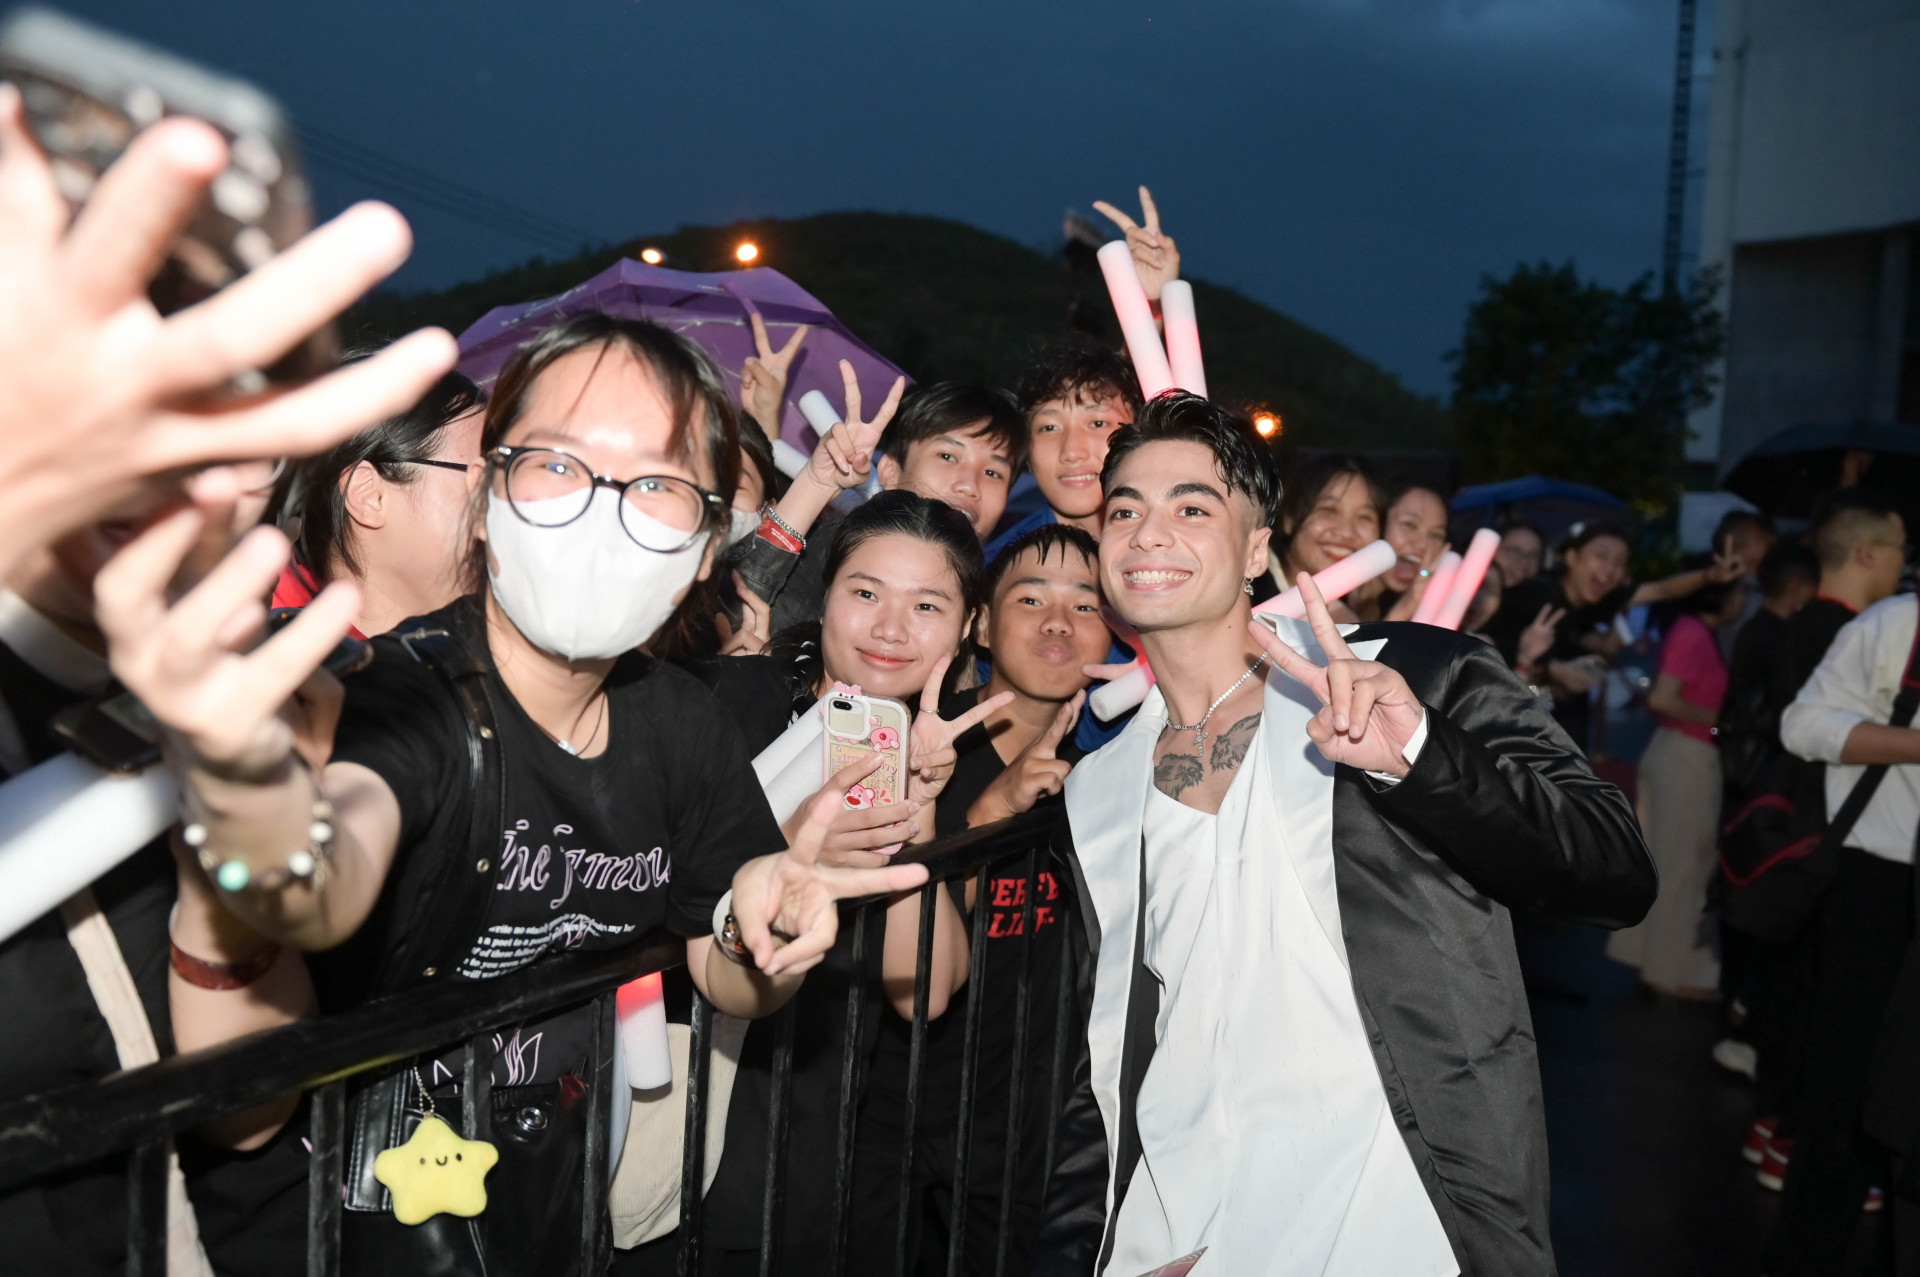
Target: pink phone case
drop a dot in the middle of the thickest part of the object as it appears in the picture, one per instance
(857, 727)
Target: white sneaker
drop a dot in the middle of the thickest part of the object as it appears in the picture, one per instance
(1736, 1057)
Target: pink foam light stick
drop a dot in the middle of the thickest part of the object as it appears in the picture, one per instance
(1342, 578)
(1136, 319)
(1183, 336)
(1466, 583)
(1437, 587)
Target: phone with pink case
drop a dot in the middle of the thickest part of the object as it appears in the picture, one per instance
(858, 726)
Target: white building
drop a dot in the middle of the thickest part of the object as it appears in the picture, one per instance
(1811, 206)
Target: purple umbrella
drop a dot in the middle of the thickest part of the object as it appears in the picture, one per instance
(711, 310)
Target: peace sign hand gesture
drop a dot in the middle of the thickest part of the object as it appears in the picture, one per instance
(845, 454)
(1037, 773)
(763, 377)
(1367, 711)
(1156, 259)
(795, 894)
(932, 736)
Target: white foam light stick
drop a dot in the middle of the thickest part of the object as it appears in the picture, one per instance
(1466, 582)
(1344, 577)
(66, 822)
(1136, 318)
(1438, 586)
(819, 412)
(1183, 336)
(787, 459)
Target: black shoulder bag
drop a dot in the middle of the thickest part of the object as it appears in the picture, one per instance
(1779, 852)
(533, 1206)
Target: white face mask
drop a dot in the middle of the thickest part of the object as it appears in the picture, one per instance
(585, 590)
(743, 526)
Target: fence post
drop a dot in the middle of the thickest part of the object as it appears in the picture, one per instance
(850, 1076)
(147, 1210)
(327, 1132)
(693, 1157)
(969, 1073)
(595, 1235)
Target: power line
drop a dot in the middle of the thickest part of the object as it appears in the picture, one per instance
(410, 181)
(1677, 147)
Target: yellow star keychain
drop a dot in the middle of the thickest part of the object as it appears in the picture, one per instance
(435, 1172)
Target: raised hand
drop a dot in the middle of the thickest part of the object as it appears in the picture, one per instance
(763, 377)
(100, 385)
(796, 893)
(190, 663)
(1367, 711)
(1037, 773)
(1537, 639)
(756, 624)
(1156, 259)
(932, 736)
(844, 456)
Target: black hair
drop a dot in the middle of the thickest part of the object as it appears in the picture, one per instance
(1785, 563)
(956, 407)
(1399, 488)
(308, 501)
(1047, 538)
(894, 513)
(1513, 523)
(1076, 369)
(706, 421)
(759, 450)
(1710, 597)
(1582, 535)
(1740, 518)
(1843, 519)
(1241, 455)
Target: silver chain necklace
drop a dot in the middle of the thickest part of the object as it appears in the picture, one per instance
(1199, 729)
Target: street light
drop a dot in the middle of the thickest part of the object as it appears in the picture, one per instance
(1267, 424)
(652, 256)
(746, 253)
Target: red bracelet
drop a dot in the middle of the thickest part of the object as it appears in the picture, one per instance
(772, 533)
(220, 976)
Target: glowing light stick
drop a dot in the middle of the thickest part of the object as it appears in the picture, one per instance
(1437, 587)
(642, 1008)
(1136, 319)
(1183, 336)
(1343, 578)
(819, 412)
(66, 822)
(1466, 583)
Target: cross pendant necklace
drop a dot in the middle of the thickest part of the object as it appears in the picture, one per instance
(1199, 729)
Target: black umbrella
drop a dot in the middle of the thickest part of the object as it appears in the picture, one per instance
(1786, 474)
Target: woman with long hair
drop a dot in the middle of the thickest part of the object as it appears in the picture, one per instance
(622, 801)
(1332, 508)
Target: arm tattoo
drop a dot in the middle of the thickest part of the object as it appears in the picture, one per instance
(1230, 746)
(1176, 773)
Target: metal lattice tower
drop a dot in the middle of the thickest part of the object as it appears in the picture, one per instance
(1677, 147)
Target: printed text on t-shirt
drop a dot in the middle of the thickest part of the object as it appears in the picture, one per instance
(524, 867)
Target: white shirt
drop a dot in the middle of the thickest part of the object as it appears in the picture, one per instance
(1856, 683)
(1265, 1132)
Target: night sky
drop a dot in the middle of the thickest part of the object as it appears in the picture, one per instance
(1358, 164)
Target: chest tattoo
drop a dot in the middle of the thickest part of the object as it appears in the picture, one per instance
(1181, 770)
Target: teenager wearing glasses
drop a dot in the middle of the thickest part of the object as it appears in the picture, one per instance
(629, 801)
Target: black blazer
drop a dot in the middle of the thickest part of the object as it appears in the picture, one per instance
(1499, 812)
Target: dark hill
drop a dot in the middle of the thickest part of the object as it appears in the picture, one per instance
(942, 299)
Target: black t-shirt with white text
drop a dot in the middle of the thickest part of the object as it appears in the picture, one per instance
(596, 852)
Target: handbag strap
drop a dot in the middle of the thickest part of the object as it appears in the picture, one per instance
(1905, 702)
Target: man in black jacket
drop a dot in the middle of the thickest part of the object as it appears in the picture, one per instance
(1289, 875)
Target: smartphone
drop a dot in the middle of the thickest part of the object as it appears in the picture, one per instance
(349, 656)
(115, 733)
(88, 92)
(858, 727)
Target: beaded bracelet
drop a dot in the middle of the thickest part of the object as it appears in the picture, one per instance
(308, 864)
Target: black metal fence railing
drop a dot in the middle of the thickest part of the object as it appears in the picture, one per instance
(138, 1111)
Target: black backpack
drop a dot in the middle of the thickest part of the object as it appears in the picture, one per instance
(1779, 851)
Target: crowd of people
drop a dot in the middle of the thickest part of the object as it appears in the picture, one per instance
(452, 679)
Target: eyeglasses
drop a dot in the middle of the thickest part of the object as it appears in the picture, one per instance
(550, 489)
(461, 466)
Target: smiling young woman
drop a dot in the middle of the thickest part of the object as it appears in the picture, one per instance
(1332, 508)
